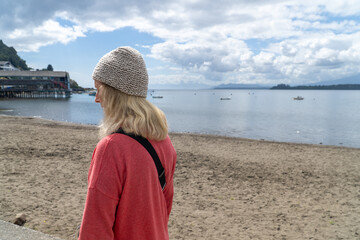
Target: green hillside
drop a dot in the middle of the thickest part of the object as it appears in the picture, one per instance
(10, 54)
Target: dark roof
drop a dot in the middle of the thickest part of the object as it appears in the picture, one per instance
(33, 74)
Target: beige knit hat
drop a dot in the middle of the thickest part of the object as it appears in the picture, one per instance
(123, 69)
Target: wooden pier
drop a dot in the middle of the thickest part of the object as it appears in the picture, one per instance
(34, 94)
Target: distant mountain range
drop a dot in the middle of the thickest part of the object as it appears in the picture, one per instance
(318, 87)
(355, 79)
(243, 86)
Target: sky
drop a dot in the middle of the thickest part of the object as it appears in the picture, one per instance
(191, 43)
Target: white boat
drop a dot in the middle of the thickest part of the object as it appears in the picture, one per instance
(157, 96)
(93, 93)
(225, 98)
(298, 98)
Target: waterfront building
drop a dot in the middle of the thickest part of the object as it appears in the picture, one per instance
(7, 66)
(34, 84)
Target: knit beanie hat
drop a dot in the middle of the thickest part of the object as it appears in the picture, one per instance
(123, 69)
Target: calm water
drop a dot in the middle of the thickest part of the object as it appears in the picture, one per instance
(327, 117)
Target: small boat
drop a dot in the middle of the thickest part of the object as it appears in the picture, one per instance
(6, 110)
(225, 98)
(298, 98)
(157, 96)
(93, 93)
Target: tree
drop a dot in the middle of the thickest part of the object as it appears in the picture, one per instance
(282, 86)
(75, 85)
(50, 68)
(10, 54)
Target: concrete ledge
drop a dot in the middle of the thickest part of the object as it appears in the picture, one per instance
(9, 231)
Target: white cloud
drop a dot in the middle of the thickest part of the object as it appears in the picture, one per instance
(298, 41)
(49, 32)
(206, 57)
(178, 79)
(318, 57)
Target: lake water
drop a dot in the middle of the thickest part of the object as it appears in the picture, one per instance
(323, 117)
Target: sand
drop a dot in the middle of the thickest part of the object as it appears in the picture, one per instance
(225, 188)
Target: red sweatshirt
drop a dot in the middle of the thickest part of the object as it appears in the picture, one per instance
(125, 199)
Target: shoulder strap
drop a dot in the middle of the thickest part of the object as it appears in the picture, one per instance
(147, 145)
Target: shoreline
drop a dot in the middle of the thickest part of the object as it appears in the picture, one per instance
(225, 187)
(187, 133)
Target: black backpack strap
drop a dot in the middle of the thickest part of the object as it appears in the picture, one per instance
(147, 145)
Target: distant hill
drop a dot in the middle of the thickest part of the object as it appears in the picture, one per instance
(10, 54)
(242, 86)
(342, 83)
(318, 87)
(355, 79)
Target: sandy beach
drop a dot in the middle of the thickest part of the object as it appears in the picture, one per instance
(225, 188)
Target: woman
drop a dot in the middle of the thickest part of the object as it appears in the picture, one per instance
(125, 199)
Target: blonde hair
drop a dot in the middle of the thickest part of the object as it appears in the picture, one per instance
(133, 114)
